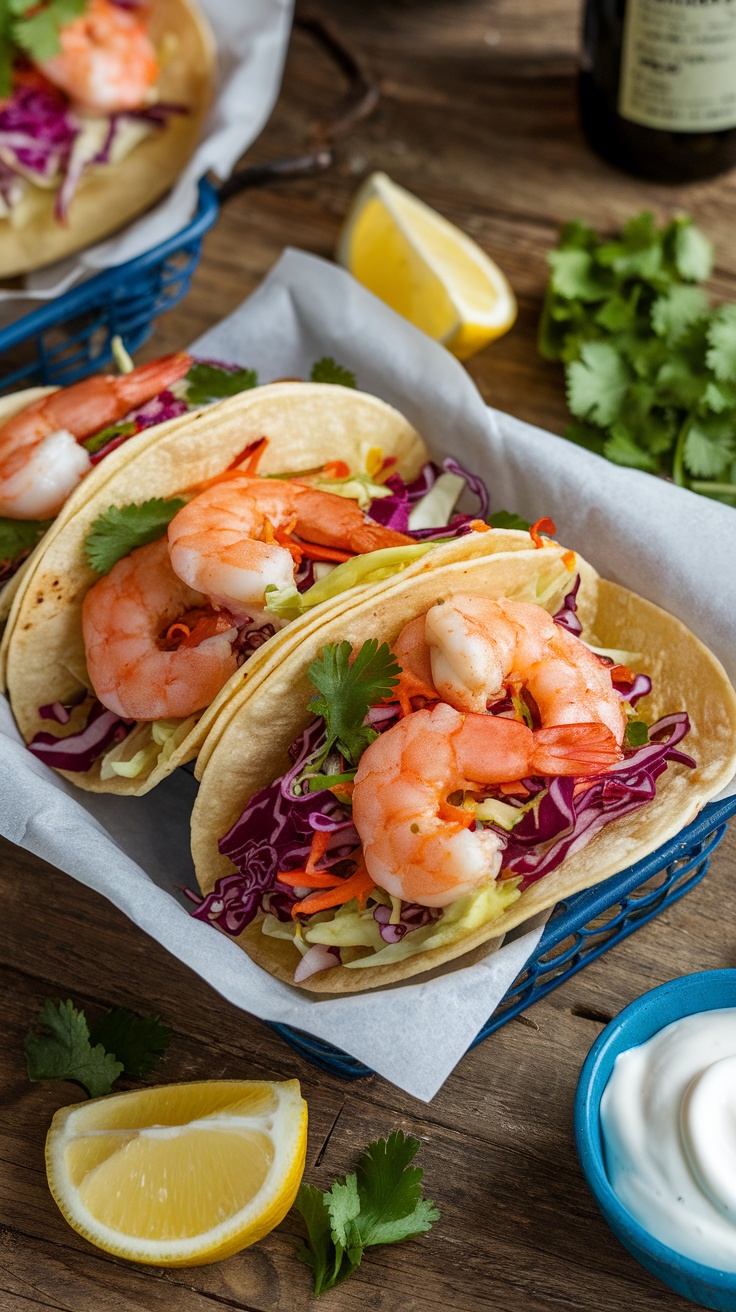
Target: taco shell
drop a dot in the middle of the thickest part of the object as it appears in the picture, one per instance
(109, 196)
(251, 742)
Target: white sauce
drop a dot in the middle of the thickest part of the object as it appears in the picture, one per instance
(668, 1117)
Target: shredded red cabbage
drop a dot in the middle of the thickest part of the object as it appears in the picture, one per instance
(567, 616)
(37, 133)
(412, 917)
(79, 751)
(393, 511)
(571, 811)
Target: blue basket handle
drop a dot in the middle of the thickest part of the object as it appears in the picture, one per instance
(358, 103)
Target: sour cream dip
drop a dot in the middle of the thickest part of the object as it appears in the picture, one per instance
(668, 1120)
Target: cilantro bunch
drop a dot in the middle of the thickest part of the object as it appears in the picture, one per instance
(32, 28)
(61, 1046)
(379, 1203)
(650, 364)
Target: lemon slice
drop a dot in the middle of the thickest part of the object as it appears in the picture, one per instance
(182, 1174)
(425, 268)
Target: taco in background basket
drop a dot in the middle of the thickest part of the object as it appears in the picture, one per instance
(445, 760)
(192, 568)
(52, 441)
(98, 116)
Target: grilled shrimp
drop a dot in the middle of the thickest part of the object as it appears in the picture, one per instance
(41, 460)
(132, 618)
(479, 648)
(419, 847)
(234, 539)
(107, 62)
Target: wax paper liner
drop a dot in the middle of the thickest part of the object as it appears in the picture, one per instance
(663, 542)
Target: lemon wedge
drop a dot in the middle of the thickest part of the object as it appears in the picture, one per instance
(425, 268)
(179, 1175)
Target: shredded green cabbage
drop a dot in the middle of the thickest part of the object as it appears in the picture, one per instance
(150, 745)
(436, 506)
(372, 567)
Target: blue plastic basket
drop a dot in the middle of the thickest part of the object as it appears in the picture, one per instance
(580, 929)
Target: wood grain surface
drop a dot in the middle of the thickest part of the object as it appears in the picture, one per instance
(478, 117)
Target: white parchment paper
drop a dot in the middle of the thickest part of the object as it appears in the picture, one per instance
(671, 546)
(251, 37)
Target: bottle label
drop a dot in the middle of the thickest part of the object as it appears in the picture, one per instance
(678, 64)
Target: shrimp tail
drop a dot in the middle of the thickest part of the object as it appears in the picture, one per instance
(149, 379)
(574, 749)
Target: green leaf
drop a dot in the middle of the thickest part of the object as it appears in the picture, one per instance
(575, 276)
(321, 1254)
(719, 397)
(721, 355)
(139, 1042)
(576, 235)
(349, 690)
(327, 371)
(18, 537)
(38, 34)
(506, 519)
(208, 382)
(586, 435)
(637, 733)
(619, 312)
(121, 529)
(709, 447)
(622, 449)
(390, 1191)
(597, 383)
(693, 252)
(98, 440)
(679, 307)
(62, 1051)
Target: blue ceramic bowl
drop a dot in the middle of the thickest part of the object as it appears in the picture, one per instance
(706, 991)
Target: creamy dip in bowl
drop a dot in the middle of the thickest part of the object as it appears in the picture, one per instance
(656, 1133)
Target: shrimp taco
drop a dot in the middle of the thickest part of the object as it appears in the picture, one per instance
(53, 439)
(140, 618)
(445, 760)
(101, 105)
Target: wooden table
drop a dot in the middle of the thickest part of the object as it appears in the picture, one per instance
(478, 117)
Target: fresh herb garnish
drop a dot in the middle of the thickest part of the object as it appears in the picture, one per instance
(98, 440)
(60, 1047)
(379, 1203)
(637, 734)
(650, 364)
(208, 382)
(327, 371)
(33, 28)
(506, 519)
(19, 536)
(139, 1042)
(349, 690)
(117, 531)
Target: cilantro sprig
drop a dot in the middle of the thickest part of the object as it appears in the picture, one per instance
(650, 364)
(60, 1046)
(209, 382)
(381, 1202)
(120, 529)
(327, 371)
(32, 28)
(18, 537)
(345, 693)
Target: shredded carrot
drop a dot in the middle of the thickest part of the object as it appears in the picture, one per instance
(480, 526)
(336, 469)
(514, 790)
(569, 560)
(541, 526)
(308, 876)
(314, 552)
(250, 457)
(621, 674)
(464, 818)
(358, 885)
(343, 790)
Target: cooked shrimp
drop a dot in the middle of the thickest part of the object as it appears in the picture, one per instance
(126, 620)
(230, 541)
(416, 845)
(479, 648)
(412, 652)
(40, 459)
(107, 61)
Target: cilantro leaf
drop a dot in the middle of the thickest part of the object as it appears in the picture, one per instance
(37, 32)
(62, 1050)
(19, 536)
(209, 382)
(597, 383)
(709, 447)
(348, 690)
(693, 252)
(98, 440)
(677, 309)
(507, 519)
(117, 531)
(721, 355)
(637, 733)
(137, 1042)
(327, 371)
(575, 275)
(380, 1203)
